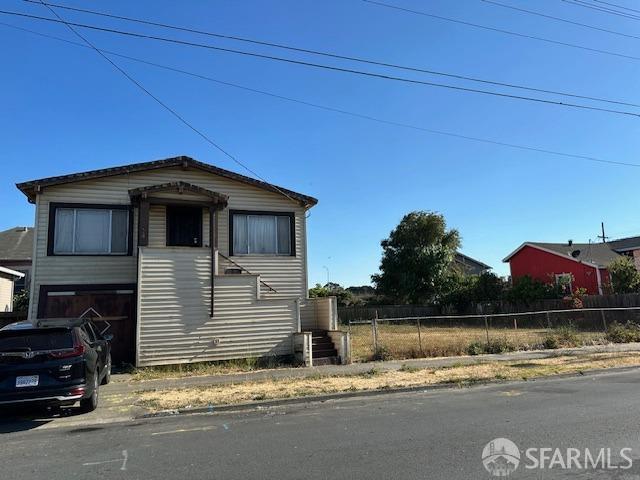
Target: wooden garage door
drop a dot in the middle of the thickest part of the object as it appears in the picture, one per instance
(111, 308)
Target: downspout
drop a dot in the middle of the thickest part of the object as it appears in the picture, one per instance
(31, 316)
(599, 279)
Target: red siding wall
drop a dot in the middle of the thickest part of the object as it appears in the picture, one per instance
(543, 266)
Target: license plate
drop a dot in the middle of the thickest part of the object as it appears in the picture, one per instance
(27, 381)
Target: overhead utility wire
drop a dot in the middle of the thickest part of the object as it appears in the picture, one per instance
(501, 30)
(332, 109)
(329, 67)
(531, 12)
(164, 105)
(332, 55)
(618, 6)
(598, 8)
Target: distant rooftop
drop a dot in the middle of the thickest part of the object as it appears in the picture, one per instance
(623, 244)
(16, 244)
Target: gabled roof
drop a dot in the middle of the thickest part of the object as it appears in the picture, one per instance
(466, 259)
(16, 244)
(31, 188)
(594, 254)
(180, 187)
(625, 244)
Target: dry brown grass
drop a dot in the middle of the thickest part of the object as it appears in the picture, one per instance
(401, 341)
(225, 367)
(376, 380)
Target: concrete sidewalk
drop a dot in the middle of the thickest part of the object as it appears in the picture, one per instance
(118, 399)
(122, 384)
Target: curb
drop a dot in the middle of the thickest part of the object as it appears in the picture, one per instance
(258, 405)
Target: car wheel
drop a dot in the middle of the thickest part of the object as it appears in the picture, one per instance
(107, 374)
(91, 403)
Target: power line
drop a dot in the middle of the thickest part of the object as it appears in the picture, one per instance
(618, 6)
(336, 110)
(162, 104)
(329, 67)
(330, 54)
(598, 8)
(500, 30)
(531, 12)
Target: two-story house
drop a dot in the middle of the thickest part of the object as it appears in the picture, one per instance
(182, 261)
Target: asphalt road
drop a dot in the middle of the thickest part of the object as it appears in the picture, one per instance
(420, 435)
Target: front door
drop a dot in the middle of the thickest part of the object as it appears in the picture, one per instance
(184, 226)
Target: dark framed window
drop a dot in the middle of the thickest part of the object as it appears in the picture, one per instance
(89, 229)
(261, 233)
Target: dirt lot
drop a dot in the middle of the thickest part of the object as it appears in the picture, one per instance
(402, 341)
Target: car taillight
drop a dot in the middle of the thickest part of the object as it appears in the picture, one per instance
(77, 351)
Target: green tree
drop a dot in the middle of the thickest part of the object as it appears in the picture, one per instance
(624, 275)
(343, 297)
(319, 291)
(416, 259)
(526, 290)
(489, 287)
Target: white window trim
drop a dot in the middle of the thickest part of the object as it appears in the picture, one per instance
(559, 276)
(73, 233)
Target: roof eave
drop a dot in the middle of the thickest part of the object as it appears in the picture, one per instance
(31, 188)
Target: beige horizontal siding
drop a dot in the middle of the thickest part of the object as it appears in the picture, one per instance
(318, 313)
(174, 312)
(6, 294)
(286, 274)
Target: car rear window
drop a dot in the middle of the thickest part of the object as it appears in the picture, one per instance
(49, 339)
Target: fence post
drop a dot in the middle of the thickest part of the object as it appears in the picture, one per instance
(548, 321)
(420, 339)
(604, 320)
(486, 327)
(374, 333)
(349, 326)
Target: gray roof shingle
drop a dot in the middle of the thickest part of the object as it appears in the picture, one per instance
(16, 244)
(599, 253)
(622, 244)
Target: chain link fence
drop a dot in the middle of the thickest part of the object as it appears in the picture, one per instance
(439, 336)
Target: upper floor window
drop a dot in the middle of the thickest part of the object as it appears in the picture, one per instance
(262, 233)
(89, 230)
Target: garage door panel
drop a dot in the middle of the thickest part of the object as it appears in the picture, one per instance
(115, 306)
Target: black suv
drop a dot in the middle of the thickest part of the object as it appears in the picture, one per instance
(53, 365)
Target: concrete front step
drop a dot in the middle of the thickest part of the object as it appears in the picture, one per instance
(318, 362)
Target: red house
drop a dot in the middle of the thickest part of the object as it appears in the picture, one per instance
(575, 265)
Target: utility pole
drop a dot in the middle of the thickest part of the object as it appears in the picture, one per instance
(327, 269)
(603, 236)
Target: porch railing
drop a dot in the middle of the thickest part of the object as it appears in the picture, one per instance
(247, 271)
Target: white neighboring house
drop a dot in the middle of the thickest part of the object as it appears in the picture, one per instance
(182, 261)
(7, 279)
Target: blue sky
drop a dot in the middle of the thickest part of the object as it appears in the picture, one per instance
(65, 109)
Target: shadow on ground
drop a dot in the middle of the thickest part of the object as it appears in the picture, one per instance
(18, 419)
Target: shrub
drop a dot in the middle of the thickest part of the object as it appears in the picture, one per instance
(496, 345)
(551, 342)
(382, 353)
(624, 275)
(562, 337)
(21, 301)
(500, 345)
(475, 348)
(623, 333)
